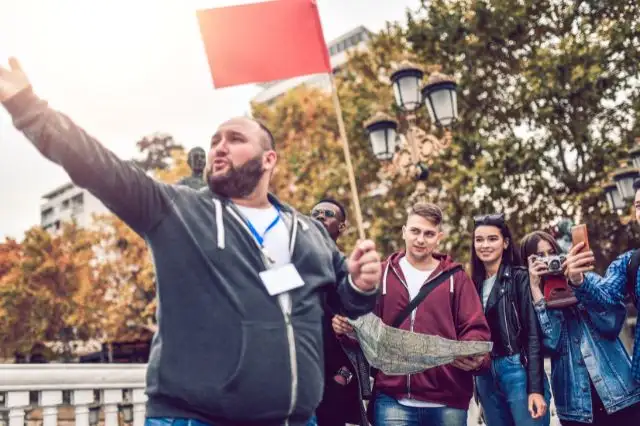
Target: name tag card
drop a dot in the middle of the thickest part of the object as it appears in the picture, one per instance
(281, 279)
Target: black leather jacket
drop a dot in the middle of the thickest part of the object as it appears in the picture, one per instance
(514, 325)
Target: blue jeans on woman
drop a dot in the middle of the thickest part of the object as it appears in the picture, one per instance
(389, 412)
(503, 394)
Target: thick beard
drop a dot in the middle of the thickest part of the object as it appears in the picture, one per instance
(239, 181)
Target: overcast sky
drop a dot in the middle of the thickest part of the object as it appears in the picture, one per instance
(122, 70)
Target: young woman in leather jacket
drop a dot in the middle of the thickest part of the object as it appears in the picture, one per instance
(515, 390)
(582, 341)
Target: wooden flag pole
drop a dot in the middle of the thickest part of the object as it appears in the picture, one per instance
(347, 156)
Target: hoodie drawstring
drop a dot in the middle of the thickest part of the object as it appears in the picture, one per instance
(384, 279)
(219, 223)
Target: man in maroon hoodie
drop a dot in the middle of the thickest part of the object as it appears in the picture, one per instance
(439, 396)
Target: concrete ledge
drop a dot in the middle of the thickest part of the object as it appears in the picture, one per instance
(36, 377)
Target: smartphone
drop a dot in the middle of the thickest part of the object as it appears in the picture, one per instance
(579, 234)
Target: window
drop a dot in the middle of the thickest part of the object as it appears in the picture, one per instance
(65, 204)
(47, 212)
(78, 199)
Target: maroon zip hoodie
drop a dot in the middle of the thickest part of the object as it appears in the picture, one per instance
(457, 316)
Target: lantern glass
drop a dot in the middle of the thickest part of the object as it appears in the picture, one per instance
(614, 199)
(407, 92)
(635, 158)
(383, 142)
(441, 103)
(624, 181)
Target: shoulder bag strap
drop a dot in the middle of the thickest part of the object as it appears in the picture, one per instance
(424, 292)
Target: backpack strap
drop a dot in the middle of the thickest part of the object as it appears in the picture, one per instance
(424, 292)
(632, 276)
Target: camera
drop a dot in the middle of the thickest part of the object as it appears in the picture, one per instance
(554, 263)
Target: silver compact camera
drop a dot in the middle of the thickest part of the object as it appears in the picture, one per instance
(554, 263)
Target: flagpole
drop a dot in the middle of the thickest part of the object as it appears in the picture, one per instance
(347, 156)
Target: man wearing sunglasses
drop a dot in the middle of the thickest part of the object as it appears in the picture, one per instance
(332, 215)
(346, 369)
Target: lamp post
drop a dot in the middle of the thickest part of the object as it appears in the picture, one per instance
(619, 192)
(439, 97)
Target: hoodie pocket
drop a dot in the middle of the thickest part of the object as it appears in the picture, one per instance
(262, 376)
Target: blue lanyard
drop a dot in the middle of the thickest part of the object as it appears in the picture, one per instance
(260, 238)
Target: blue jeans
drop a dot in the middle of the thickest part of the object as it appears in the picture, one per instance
(388, 412)
(167, 421)
(503, 394)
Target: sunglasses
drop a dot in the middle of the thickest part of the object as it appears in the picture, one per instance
(325, 212)
(489, 219)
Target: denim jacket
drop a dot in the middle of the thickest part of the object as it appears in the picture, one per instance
(583, 342)
(607, 292)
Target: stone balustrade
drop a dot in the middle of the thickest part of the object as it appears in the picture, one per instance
(84, 394)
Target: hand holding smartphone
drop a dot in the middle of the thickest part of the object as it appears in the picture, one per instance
(579, 235)
(580, 259)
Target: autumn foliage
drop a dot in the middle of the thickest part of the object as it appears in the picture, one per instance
(81, 285)
(549, 103)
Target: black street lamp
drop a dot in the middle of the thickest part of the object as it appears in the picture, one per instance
(406, 81)
(615, 201)
(624, 179)
(383, 134)
(439, 98)
(620, 191)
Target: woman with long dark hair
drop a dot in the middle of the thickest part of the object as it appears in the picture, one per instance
(515, 390)
(590, 368)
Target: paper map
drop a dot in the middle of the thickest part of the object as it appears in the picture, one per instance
(400, 352)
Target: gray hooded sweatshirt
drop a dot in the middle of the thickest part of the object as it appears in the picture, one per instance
(225, 352)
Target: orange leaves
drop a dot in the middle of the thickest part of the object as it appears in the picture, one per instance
(43, 287)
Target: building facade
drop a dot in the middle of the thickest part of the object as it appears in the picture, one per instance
(66, 204)
(355, 39)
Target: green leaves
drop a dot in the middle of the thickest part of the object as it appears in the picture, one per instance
(548, 101)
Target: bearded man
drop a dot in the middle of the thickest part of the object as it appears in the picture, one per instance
(239, 273)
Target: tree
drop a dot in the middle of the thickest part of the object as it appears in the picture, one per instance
(158, 150)
(548, 98)
(124, 264)
(83, 284)
(47, 289)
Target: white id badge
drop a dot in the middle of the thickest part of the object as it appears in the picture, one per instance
(281, 279)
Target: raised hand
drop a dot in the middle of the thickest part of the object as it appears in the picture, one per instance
(364, 266)
(537, 268)
(578, 263)
(12, 80)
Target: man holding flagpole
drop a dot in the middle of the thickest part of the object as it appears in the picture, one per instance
(239, 274)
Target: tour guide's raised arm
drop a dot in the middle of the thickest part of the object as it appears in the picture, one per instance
(241, 275)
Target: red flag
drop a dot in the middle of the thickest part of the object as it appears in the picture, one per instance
(261, 42)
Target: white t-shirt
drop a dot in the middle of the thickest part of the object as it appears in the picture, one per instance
(415, 278)
(487, 286)
(276, 240)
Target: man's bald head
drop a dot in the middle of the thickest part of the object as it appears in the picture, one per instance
(267, 137)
